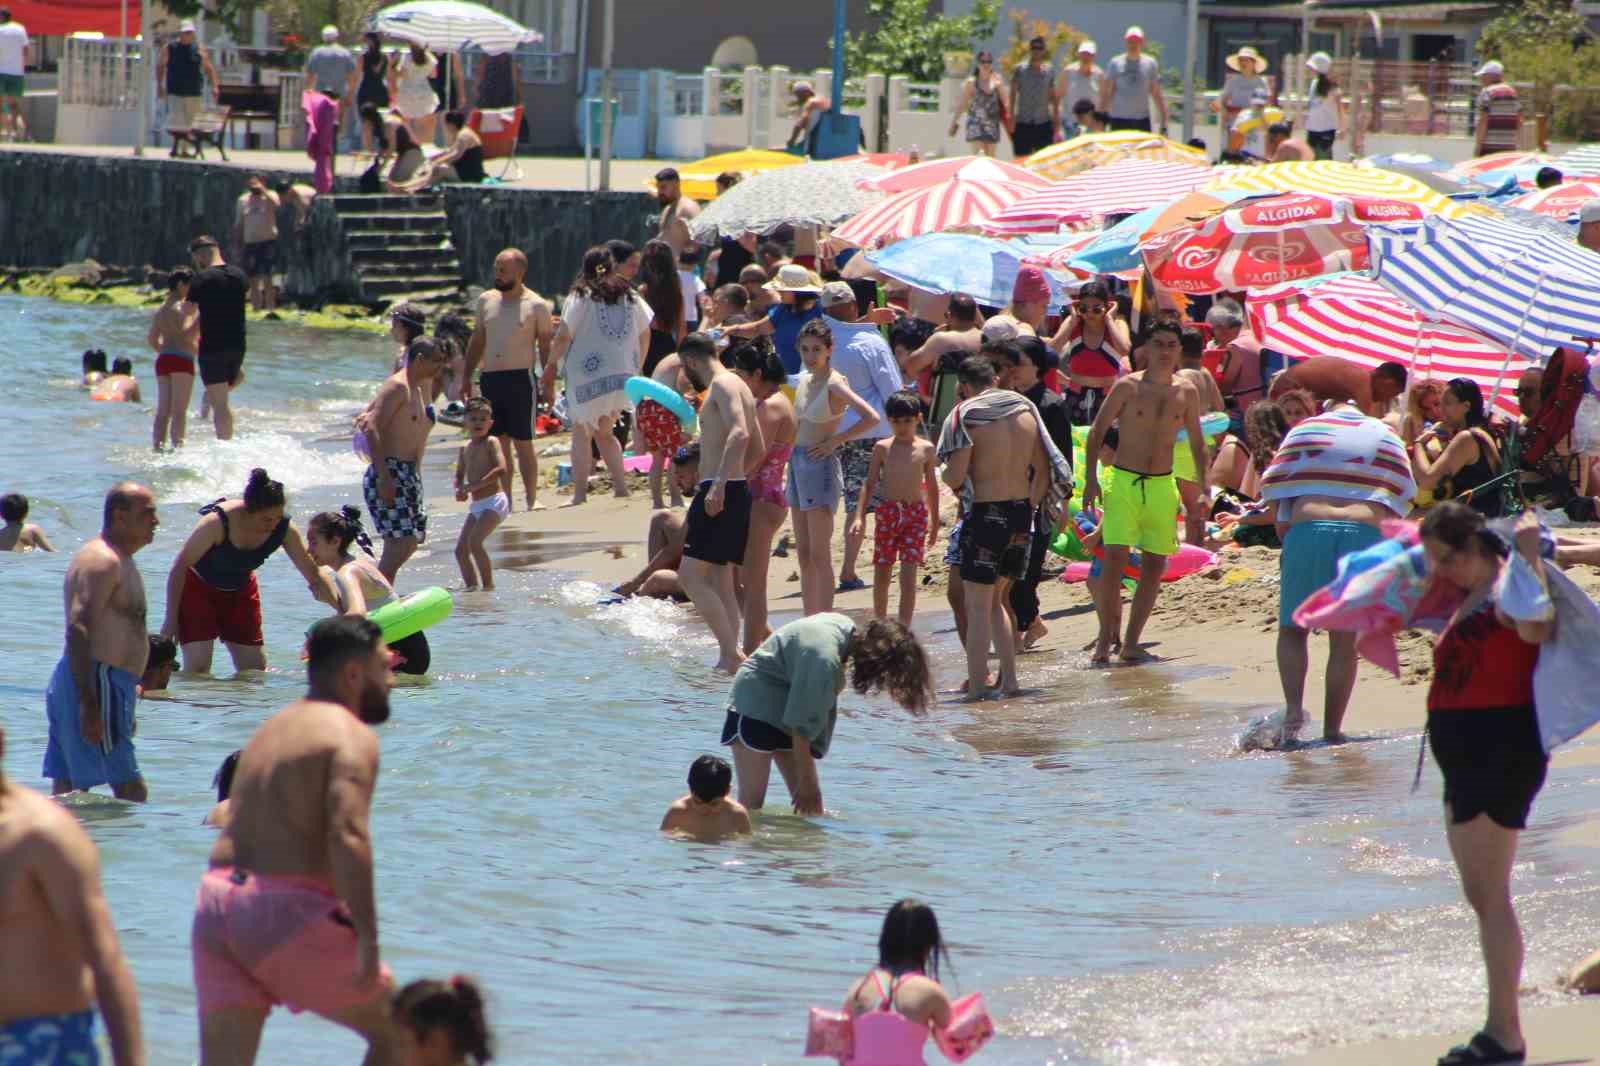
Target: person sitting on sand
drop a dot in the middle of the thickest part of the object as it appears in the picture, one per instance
(707, 811)
(360, 587)
(480, 469)
(1141, 499)
(664, 542)
(222, 781)
(907, 518)
(785, 698)
(158, 668)
(900, 1001)
(119, 386)
(18, 534)
(94, 366)
(441, 1023)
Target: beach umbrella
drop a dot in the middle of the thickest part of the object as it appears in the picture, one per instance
(1583, 160)
(1503, 161)
(1509, 180)
(451, 25)
(811, 194)
(944, 263)
(1056, 251)
(1435, 173)
(1089, 150)
(886, 160)
(1562, 201)
(1562, 230)
(965, 167)
(1116, 189)
(1353, 317)
(1269, 240)
(1342, 179)
(1116, 251)
(1525, 290)
(953, 204)
(698, 180)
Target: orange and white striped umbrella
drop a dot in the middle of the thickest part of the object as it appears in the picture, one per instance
(1502, 161)
(939, 171)
(1343, 179)
(1562, 201)
(1089, 150)
(957, 204)
(1118, 189)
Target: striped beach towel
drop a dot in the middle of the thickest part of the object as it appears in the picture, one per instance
(1343, 454)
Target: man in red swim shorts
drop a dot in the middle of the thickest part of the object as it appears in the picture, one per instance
(286, 915)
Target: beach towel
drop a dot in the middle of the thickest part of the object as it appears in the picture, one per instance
(1345, 455)
(992, 406)
(322, 128)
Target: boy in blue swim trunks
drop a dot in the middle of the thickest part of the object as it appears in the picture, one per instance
(1142, 505)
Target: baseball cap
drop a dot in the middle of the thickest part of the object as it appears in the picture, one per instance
(1087, 48)
(1590, 211)
(1134, 31)
(186, 26)
(667, 174)
(1494, 66)
(803, 87)
(1000, 329)
(330, 33)
(1030, 286)
(837, 292)
(1321, 62)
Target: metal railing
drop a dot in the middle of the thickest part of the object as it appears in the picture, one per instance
(101, 72)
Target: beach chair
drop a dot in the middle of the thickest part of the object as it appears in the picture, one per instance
(943, 388)
(498, 128)
(209, 127)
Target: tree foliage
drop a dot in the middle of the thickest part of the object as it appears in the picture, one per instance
(1061, 39)
(1547, 43)
(908, 39)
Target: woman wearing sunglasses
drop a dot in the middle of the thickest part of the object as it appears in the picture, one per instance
(1095, 344)
(983, 102)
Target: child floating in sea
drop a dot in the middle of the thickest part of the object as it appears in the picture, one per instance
(222, 781)
(478, 473)
(18, 534)
(442, 1023)
(159, 666)
(707, 811)
(908, 513)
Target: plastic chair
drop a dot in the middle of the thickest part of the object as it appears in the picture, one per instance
(498, 128)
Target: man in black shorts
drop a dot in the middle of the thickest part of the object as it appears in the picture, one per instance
(219, 291)
(718, 524)
(513, 335)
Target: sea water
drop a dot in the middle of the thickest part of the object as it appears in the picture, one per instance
(1121, 885)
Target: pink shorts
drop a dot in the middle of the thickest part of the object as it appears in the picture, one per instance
(901, 532)
(260, 941)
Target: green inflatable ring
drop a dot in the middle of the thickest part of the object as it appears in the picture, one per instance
(412, 614)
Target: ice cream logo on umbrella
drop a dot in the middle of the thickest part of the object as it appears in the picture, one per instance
(1287, 209)
(1195, 259)
(1386, 210)
(1285, 251)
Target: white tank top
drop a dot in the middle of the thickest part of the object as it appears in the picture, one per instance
(1323, 114)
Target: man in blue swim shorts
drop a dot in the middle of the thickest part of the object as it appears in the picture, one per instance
(91, 696)
(59, 954)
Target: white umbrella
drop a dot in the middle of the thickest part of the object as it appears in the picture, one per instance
(451, 25)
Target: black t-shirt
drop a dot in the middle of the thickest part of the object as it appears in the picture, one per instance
(732, 257)
(219, 292)
(1057, 423)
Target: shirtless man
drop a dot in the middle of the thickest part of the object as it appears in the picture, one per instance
(719, 518)
(59, 955)
(1328, 377)
(1003, 466)
(286, 913)
(17, 534)
(91, 697)
(1141, 501)
(1191, 482)
(677, 210)
(960, 336)
(397, 423)
(513, 336)
(664, 539)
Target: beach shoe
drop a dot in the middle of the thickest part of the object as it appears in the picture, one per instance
(852, 585)
(782, 550)
(1481, 1050)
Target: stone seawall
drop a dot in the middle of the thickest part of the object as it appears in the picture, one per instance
(57, 209)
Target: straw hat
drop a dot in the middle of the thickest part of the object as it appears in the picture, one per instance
(1247, 53)
(793, 277)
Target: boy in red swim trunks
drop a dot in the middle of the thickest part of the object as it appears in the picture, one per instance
(908, 516)
(661, 431)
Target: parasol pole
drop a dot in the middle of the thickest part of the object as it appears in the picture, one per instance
(1505, 364)
(146, 77)
(607, 45)
(122, 54)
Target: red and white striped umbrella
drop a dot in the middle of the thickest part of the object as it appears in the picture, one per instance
(1055, 258)
(1353, 317)
(1269, 240)
(1115, 189)
(1562, 201)
(1503, 161)
(939, 171)
(956, 204)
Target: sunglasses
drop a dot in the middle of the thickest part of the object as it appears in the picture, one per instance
(1092, 309)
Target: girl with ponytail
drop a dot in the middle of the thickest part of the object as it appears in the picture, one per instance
(442, 1023)
(359, 585)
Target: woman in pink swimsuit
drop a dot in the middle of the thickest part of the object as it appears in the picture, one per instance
(763, 371)
(897, 1004)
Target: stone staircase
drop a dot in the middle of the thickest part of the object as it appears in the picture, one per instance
(400, 247)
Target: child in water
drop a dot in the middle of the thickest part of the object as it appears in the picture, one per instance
(119, 386)
(223, 783)
(159, 666)
(441, 1023)
(478, 473)
(94, 366)
(18, 535)
(908, 514)
(707, 811)
(897, 1004)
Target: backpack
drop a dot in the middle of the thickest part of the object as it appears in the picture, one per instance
(1559, 395)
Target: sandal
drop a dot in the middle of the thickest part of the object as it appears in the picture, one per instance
(852, 585)
(1481, 1050)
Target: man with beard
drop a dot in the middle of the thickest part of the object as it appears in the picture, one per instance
(514, 334)
(677, 210)
(286, 914)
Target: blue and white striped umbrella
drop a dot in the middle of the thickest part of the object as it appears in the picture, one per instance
(1527, 290)
(1583, 160)
(983, 268)
(452, 25)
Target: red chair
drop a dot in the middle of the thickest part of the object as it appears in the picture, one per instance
(498, 128)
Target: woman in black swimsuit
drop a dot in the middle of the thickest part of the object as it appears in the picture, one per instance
(1471, 461)
(374, 87)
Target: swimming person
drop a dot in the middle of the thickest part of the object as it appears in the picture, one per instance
(441, 1023)
(175, 337)
(785, 698)
(119, 386)
(212, 590)
(18, 534)
(285, 913)
(158, 667)
(480, 473)
(59, 956)
(359, 586)
(94, 366)
(898, 1004)
(707, 812)
(222, 781)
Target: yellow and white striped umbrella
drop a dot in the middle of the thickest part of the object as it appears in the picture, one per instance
(1342, 179)
(1089, 150)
